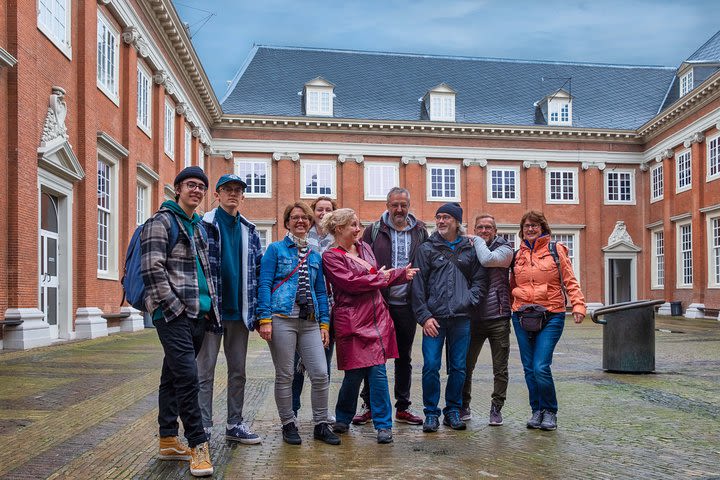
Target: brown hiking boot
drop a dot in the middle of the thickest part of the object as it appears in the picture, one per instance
(172, 449)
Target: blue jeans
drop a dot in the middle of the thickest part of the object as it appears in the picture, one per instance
(455, 332)
(536, 352)
(299, 378)
(380, 404)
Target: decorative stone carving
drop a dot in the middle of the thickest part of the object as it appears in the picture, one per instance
(620, 234)
(207, 149)
(130, 35)
(160, 77)
(644, 167)
(696, 137)
(142, 47)
(54, 127)
(169, 87)
(294, 156)
(413, 159)
(342, 158)
(480, 162)
(182, 108)
(588, 165)
(104, 2)
(664, 155)
(542, 164)
(196, 132)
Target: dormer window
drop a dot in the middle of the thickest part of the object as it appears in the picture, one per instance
(319, 96)
(557, 108)
(440, 103)
(686, 82)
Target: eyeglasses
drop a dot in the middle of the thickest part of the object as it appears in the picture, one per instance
(484, 227)
(300, 218)
(235, 190)
(531, 226)
(195, 186)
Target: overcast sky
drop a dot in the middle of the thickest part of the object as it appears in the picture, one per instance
(637, 32)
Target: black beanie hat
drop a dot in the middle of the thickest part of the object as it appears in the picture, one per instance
(192, 172)
(453, 209)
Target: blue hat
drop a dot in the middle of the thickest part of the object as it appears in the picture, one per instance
(230, 177)
(453, 209)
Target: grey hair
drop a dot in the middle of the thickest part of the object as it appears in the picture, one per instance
(398, 191)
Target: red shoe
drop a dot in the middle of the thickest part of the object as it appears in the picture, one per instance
(363, 417)
(406, 416)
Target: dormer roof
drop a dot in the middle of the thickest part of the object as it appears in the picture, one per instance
(319, 82)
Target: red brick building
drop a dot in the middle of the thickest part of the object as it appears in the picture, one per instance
(104, 102)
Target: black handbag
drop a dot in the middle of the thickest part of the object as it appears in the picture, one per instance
(532, 317)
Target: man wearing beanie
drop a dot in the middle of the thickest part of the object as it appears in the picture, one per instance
(451, 283)
(180, 296)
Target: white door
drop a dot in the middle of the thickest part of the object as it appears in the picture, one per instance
(49, 237)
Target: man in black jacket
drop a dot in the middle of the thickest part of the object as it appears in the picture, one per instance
(450, 285)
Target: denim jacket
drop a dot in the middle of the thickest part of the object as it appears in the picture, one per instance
(280, 259)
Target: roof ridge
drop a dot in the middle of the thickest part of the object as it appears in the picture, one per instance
(463, 57)
(710, 40)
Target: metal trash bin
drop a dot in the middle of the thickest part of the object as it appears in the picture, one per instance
(675, 309)
(628, 336)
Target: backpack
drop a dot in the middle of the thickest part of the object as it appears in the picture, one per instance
(132, 282)
(374, 231)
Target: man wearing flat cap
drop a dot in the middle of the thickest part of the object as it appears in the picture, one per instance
(181, 298)
(450, 285)
(235, 253)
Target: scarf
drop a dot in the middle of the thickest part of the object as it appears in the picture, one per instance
(303, 296)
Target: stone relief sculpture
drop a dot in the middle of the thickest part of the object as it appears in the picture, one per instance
(620, 234)
(54, 126)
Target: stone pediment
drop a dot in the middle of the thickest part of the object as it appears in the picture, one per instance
(57, 156)
(620, 240)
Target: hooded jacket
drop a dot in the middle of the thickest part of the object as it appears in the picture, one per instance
(496, 258)
(444, 288)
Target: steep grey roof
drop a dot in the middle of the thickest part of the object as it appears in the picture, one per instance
(388, 86)
(708, 53)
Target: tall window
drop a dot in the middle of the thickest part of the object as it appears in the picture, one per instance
(683, 177)
(318, 178)
(685, 270)
(713, 226)
(169, 139)
(713, 158)
(144, 99)
(256, 173)
(503, 185)
(264, 233)
(140, 205)
(568, 239)
(188, 147)
(443, 183)
(104, 202)
(657, 187)
(686, 83)
(54, 21)
(658, 259)
(108, 59)
(619, 187)
(561, 185)
(379, 179)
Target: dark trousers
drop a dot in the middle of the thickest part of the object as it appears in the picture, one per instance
(497, 332)
(405, 328)
(181, 340)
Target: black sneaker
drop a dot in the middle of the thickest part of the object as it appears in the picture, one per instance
(536, 419)
(495, 416)
(384, 436)
(431, 424)
(452, 420)
(290, 434)
(549, 421)
(339, 427)
(324, 433)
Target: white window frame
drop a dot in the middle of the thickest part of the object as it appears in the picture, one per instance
(187, 160)
(686, 83)
(201, 157)
(264, 230)
(108, 83)
(657, 259)
(681, 258)
(442, 107)
(678, 178)
(548, 185)
(508, 233)
(429, 194)
(306, 166)
(620, 172)
(516, 179)
(249, 193)
(560, 111)
(61, 39)
(144, 99)
(657, 173)
(573, 252)
(713, 157)
(371, 170)
(319, 101)
(142, 202)
(111, 270)
(713, 247)
(169, 131)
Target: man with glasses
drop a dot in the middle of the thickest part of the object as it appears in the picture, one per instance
(235, 253)
(450, 285)
(180, 296)
(492, 320)
(394, 239)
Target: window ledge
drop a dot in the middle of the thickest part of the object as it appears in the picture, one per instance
(62, 46)
(112, 96)
(108, 275)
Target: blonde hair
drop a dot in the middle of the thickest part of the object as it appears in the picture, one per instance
(336, 219)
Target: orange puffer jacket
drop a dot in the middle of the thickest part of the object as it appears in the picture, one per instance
(535, 278)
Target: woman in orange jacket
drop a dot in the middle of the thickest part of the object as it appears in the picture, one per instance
(539, 298)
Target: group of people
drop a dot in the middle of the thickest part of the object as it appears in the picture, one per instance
(330, 283)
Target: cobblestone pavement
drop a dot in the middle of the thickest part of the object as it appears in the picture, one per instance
(88, 410)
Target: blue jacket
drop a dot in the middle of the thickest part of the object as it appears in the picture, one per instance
(252, 253)
(280, 259)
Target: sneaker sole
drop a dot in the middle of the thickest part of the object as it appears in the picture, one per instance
(360, 422)
(201, 473)
(430, 430)
(174, 457)
(532, 427)
(546, 429)
(292, 442)
(385, 442)
(466, 418)
(244, 441)
(495, 424)
(333, 442)
(409, 422)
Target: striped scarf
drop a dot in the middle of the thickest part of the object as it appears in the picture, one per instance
(303, 296)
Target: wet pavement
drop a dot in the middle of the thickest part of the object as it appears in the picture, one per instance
(88, 410)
